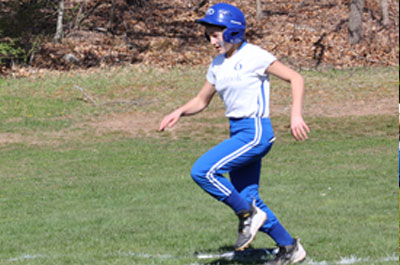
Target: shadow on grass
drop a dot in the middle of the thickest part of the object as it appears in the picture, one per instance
(227, 255)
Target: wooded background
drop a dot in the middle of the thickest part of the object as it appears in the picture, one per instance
(69, 34)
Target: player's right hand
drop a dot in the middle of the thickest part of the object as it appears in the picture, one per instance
(170, 120)
(299, 128)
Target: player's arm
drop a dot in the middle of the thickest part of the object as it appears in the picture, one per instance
(298, 127)
(193, 106)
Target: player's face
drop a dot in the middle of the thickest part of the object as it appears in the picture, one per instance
(216, 39)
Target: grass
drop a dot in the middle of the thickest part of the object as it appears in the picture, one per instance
(89, 197)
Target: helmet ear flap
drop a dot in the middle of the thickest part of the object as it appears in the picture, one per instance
(233, 35)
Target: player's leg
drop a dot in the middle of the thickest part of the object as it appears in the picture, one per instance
(246, 181)
(244, 145)
(208, 172)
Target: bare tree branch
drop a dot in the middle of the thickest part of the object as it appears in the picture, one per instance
(86, 95)
(80, 14)
(90, 12)
(200, 5)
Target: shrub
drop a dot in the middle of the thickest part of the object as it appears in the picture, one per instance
(10, 51)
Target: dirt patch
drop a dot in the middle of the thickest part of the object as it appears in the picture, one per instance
(53, 139)
(146, 124)
(210, 123)
(135, 124)
(10, 138)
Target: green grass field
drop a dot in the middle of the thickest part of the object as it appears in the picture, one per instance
(85, 184)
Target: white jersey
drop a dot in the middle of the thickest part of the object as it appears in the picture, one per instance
(241, 81)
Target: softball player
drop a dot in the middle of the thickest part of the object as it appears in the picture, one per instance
(240, 76)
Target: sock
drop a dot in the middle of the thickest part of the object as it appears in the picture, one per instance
(237, 202)
(280, 235)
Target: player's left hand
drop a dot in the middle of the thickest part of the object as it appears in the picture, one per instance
(299, 128)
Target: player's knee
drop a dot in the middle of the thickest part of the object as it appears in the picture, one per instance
(195, 173)
(198, 174)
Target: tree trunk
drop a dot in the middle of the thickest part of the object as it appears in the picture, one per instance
(59, 31)
(111, 17)
(385, 12)
(259, 10)
(355, 21)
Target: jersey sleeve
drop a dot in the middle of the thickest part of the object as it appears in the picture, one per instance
(210, 75)
(262, 61)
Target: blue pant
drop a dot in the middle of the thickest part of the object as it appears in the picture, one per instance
(240, 155)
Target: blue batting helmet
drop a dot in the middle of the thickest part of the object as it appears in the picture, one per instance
(229, 17)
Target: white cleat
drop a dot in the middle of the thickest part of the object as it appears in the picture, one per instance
(249, 223)
(289, 255)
